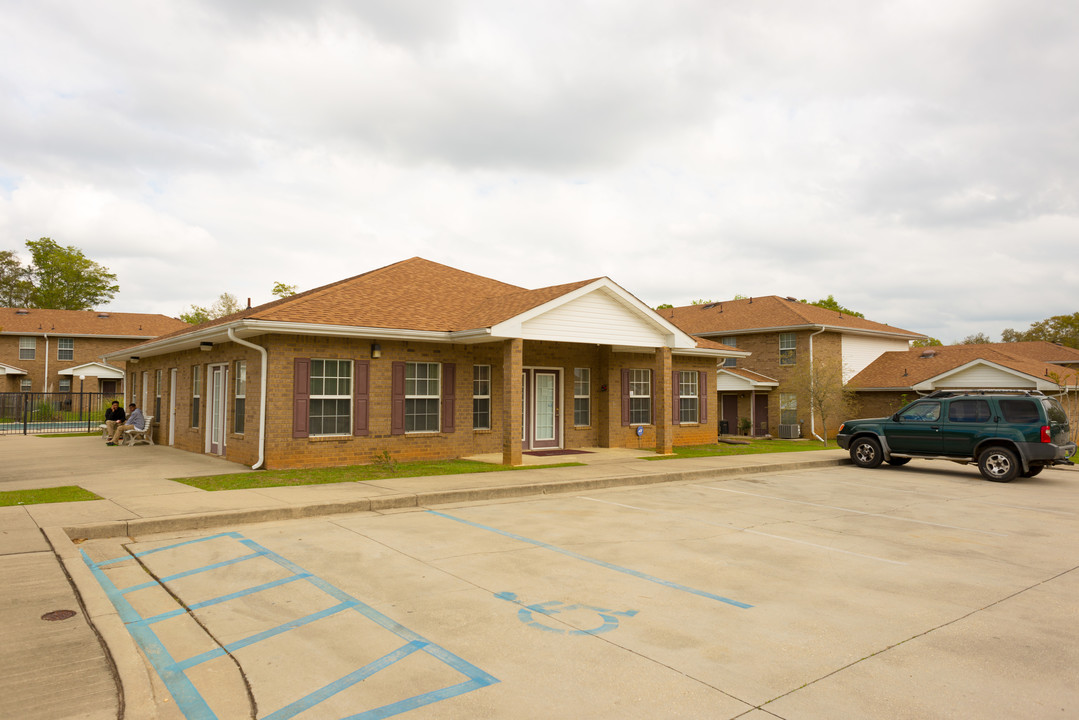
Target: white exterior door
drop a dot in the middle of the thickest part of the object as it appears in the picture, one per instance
(172, 406)
(218, 383)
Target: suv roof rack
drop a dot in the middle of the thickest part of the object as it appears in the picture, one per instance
(999, 391)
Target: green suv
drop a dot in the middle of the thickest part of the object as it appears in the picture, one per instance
(1006, 433)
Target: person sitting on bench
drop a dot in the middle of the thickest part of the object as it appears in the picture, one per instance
(135, 421)
(114, 417)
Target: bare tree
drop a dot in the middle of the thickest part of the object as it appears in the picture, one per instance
(819, 384)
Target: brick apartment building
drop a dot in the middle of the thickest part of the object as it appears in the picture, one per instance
(424, 361)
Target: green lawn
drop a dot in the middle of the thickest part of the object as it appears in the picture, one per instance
(350, 473)
(66, 493)
(752, 447)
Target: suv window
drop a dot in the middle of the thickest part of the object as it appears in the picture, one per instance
(1019, 410)
(969, 411)
(921, 412)
(1054, 411)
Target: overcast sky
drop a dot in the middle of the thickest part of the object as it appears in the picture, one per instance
(916, 159)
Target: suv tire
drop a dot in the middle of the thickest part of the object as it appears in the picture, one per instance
(998, 464)
(1034, 470)
(865, 452)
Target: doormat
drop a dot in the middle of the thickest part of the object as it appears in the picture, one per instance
(549, 453)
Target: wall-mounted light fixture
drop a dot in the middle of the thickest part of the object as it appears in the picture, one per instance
(206, 346)
(134, 358)
(376, 350)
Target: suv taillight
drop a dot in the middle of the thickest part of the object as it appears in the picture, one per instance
(1046, 436)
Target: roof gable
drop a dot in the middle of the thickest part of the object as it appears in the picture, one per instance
(921, 367)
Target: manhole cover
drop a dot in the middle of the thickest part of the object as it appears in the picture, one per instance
(58, 615)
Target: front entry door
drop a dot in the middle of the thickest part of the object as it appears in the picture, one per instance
(217, 410)
(542, 408)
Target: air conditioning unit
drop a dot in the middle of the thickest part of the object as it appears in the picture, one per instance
(789, 432)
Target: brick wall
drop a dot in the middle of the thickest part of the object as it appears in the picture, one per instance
(285, 451)
(86, 350)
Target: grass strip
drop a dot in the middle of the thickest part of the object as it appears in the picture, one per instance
(752, 447)
(40, 496)
(349, 473)
(72, 434)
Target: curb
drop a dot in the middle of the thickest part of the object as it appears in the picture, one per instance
(204, 521)
(132, 675)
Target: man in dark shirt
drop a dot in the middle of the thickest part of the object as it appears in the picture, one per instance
(135, 421)
(114, 417)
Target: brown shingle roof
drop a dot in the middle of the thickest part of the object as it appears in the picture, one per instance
(902, 369)
(32, 321)
(770, 311)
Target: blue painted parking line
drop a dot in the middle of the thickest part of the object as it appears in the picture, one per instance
(194, 706)
(595, 561)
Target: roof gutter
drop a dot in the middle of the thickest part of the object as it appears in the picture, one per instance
(791, 328)
(262, 395)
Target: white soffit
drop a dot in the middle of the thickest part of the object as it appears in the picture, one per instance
(599, 313)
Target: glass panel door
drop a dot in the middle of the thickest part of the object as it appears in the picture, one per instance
(545, 420)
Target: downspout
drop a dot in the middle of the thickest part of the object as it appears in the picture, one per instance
(45, 385)
(262, 395)
(812, 416)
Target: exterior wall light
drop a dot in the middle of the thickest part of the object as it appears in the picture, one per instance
(206, 346)
(376, 350)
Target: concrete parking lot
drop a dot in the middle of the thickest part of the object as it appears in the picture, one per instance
(913, 592)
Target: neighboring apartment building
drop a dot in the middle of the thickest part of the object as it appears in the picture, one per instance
(424, 361)
(50, 350)
(782, 335)
(896, 378)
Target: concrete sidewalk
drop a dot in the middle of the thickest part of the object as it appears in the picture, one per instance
(139, 499)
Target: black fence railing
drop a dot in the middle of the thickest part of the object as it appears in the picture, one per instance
(30, 413)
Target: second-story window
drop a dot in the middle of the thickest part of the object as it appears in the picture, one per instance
(65, 349)
(788, 349)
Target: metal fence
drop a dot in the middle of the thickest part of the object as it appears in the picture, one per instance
(32, 413)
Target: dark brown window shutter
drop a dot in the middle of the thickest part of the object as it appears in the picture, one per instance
(360, 398)
(702, 395)
(449, 396)
(301, 396)
(676, 399)
(397, 398)
(625, 396)
(652, 397)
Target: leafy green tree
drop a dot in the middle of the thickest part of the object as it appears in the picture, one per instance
(282, 290)
(226, 304)
(62, 278)
(664, 306)
(820, 386)
(975, 339)
(15, 285)
(830, 303)
(927, 342)
(701, 302)
(1063, 329)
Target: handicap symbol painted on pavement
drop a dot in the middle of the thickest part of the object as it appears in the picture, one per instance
(528, 615)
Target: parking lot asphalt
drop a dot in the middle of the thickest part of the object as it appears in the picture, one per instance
(792, 592)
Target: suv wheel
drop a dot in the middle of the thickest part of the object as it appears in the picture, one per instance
(998, 464)
(866, 453)
(1034, 470)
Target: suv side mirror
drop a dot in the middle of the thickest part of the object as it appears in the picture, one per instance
(895, 418)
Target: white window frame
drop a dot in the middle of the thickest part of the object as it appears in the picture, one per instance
(335, 384)
(240, 398)
(421, 393)
(196, 395)
(640, 396)
(26, 385)
(63, 380)
(788, 403)
(732, 341)
(689, 399)
(788, 348)
(28, 348)
(582, 397)
(61, 349)
(481, 396)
